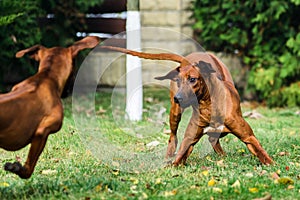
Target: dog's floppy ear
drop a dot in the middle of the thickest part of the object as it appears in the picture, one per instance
(87, 42)
(171, 75)
(205, 68)
(31, 51)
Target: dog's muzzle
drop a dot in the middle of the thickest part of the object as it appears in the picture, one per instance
(178, 99)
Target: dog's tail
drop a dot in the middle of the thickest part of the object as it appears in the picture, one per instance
(152, 56)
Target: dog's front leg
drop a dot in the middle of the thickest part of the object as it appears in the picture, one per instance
(175, 117)
(192, 135)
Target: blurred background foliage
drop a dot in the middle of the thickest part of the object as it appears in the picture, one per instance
(264, 34)
(20, 24)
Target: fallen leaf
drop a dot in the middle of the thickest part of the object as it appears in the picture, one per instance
(237, 191)
(220, 163)
(267, 197)
(217, 190)
(241, 150)
(170, 193)
(101, 111)
(249, 174)
(253, 114)
(263, 172)
(290, 187)
(133, 189)
(205, 172)
(145, 196)
(195, 187)
(286, 180)
(224, 182)
(4, 184)
(253, 190)
(275, 176)
(153, 143)
(236, 184)
(209, 158)
(283, 153)
(98, 188)
(149, 99)
(211, 182)
(116, 172)
(158, 181)
(135, 181)
(49, 172)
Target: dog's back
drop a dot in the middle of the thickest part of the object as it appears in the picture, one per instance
(216, 63)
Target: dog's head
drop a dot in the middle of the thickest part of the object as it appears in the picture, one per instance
(58, 60)
(59, 54)
(190, 82)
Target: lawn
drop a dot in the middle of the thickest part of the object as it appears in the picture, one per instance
(98, 154)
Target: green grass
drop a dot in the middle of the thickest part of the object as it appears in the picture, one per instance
(116, 164)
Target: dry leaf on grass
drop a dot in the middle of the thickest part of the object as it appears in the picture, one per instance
(267, 197)
(135, 181)
(285, 180)
(211, 182)
(217, 190)
(275, 176)
(4, 184)
(170, 193)
(220, 163)
(48, 172)
(283, 153)
(236, 184)
(253, 190)
(253, 114)
(205, 172)
(153, 144)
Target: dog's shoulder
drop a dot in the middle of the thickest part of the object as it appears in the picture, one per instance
(25, 86)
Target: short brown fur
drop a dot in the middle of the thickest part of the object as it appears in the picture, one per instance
(203, 82)
(33, 109)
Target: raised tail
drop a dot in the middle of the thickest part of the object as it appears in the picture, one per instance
(152, 56)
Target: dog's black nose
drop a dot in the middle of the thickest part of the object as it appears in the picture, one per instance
(178, 99)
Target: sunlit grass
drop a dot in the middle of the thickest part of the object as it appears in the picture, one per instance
(69, 168)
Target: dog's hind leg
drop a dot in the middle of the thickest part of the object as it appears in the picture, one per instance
(47, 126)
(243, 131)
(37, 145)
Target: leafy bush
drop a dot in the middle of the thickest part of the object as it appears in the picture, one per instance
(265, 34)
(20, 28)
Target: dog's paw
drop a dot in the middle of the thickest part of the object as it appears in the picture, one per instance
(168, 163)
(13, 167)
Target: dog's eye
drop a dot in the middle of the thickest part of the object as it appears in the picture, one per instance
(192, 80)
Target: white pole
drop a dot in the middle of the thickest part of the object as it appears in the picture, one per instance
(134, 89)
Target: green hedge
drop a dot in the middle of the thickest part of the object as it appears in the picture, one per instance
(265, 34)
(20, 29)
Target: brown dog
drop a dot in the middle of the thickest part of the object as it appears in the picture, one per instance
(33, 109)
(203, 82)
